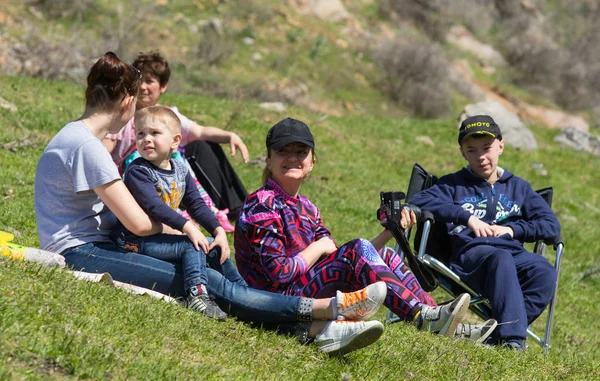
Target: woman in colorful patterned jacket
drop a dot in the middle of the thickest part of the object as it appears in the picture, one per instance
(281, 245)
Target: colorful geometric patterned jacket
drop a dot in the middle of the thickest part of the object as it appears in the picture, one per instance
(272, 229)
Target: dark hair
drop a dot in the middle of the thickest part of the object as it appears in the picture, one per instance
(267, 173)
(155, 64)
(109, 81)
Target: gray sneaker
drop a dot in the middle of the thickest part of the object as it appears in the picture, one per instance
(205, 305)
(342, 336)
(444, 319)
(475, 332)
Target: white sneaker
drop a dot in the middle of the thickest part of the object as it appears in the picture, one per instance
(340, 337)
(361, 304)
(443, 320)
(475, 332)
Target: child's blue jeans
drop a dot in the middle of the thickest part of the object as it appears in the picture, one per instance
(171, 248)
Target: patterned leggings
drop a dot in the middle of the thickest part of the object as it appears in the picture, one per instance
(355, 265)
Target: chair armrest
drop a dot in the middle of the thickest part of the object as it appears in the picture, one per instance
(558, 240)
(428, 216)
(554, 241)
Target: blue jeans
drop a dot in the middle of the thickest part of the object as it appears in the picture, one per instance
(170, 248)
(224, 282)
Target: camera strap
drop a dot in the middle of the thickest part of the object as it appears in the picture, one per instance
(427, 280)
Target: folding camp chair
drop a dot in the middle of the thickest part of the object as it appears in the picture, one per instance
(431, 245)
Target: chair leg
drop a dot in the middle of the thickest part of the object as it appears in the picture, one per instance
(559, 251)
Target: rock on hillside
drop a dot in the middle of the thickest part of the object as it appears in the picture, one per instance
(514, 132)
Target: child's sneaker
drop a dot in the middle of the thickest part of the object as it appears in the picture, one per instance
(443, 320)
(206, 306)
(475, 332)
(224, 221)
(339, 337)
(361, 304)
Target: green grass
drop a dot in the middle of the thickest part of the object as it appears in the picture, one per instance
(54, 327)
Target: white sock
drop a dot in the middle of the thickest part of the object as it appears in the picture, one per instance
(334, 307)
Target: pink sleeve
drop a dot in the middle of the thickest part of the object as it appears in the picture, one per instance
(186, 124)
(125, 138)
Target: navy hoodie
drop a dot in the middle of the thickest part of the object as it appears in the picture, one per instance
(510, 202)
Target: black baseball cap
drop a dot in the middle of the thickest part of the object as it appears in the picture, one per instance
(289, 131)
(478, 125)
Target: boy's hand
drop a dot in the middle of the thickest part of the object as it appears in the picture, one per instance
(407, 219)
(198, 239)
(501, 230)
(220, 239)
(480, 228)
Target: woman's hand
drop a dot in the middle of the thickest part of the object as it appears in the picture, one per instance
(220, 239)
(235, 142)
(217, 135)
(317, 250)
(326, 246)
(166, 229)
(198, 239)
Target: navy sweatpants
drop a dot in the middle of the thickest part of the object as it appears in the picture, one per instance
(518, 284)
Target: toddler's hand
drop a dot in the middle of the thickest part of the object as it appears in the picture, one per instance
(480, 228)
(220, 240)
(198, 239)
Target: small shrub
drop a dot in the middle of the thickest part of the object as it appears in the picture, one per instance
(252, 12)
(415, 75)
(77, 9)
(316, 46)
(423, 13)
(127, 26)
(294, 35)
(214, 47)
(570, 76)
(555, 57)
(535, 58)
(434, 17)
(49, 55)
(581, 72)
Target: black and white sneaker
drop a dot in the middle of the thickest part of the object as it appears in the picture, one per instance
(475, 332)
(444, 319)
(205, 305)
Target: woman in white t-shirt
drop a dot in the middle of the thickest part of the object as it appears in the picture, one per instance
(79, 195)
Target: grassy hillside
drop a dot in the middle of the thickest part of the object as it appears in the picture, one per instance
(385, 57)
(54, 327)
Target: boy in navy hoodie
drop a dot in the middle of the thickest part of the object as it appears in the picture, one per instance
(489, 213)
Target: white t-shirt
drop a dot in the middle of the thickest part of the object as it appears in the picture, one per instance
(126, 137)
(68, 211)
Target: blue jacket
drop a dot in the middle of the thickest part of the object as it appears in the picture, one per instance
(510, 202)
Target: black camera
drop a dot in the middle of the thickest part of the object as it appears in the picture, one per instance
(392, 203)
